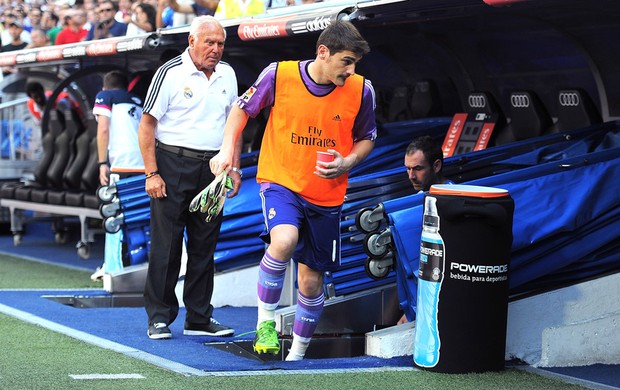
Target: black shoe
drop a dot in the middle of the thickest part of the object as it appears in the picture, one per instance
(213, 328)
(159, 330)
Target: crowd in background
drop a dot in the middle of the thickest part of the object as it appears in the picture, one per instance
(37, 23)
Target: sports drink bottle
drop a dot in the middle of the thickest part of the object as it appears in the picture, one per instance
(430, 275)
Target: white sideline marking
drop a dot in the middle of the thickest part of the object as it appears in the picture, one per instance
(100, 342)
(43, 261)
(171, 365)
(106, 376)
(311, 372)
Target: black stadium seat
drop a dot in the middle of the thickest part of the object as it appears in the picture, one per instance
(424, 101)
(399, 105)
(62, 155)
(528, 118)
(90, 176)
(575, 111)
(414, 101)
(83, 175)
(40, 172)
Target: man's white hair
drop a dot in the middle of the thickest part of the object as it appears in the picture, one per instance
(199, 21)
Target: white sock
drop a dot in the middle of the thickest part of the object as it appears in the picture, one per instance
(298, 348)
(266, 312)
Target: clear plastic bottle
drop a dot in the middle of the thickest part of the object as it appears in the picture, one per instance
(430, 275)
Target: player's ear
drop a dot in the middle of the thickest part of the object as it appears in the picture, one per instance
(437, 166)
(322, 52)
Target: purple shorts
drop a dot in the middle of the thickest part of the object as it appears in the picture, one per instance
(319, 227)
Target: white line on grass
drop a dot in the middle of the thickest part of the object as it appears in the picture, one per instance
(43, 261)
(105, 376)
(103, 343)
(312, 372)
(168, 364)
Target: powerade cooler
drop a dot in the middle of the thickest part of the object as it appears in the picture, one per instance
(462, 299)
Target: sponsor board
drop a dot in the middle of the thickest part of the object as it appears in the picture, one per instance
(255, 29)
(98, 48)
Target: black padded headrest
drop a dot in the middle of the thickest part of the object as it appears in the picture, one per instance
(529, 118)
(424, 101)
(482, 101)
(575, 110)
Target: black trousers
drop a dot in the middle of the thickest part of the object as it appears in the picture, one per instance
(185, 177)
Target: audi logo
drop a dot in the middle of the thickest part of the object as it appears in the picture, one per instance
(569, 99)
(520, 101)
(477, 101)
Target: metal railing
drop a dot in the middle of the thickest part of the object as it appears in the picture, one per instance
(20, 137)
(20, 140)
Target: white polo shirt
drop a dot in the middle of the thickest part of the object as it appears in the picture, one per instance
(124, 110)
(191, 109)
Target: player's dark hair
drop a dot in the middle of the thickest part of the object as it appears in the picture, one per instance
(343, 35)
(431, 149)
(115, 80)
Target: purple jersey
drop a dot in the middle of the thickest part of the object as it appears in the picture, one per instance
(262, 94)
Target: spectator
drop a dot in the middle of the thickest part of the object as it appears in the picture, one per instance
(165, 14)
(15, 43)
(196, 8)
(181, 128)
(141, 20)
(60, 6)
(282, 3)
(302, 199)
(91, 18)
(229, 9)
(106, 27)
(39, 98)
(74, 31)
(152, 3)
(50, 24)
(39, 38)
(6, 36)
(33, 20)
(125, 8)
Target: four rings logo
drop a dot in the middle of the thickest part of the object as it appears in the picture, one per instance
(520, 101)
(477, 101)
(569, 99)
(317, 24)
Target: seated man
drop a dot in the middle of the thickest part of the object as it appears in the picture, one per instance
(424, 163)
(39, 97)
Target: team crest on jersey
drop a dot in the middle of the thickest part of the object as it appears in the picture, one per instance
(272, 213)
(187, 92)
(248, 94)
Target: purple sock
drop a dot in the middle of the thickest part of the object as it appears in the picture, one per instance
(270, 279)
(308, 313)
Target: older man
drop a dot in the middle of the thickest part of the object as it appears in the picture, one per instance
(182, 127)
